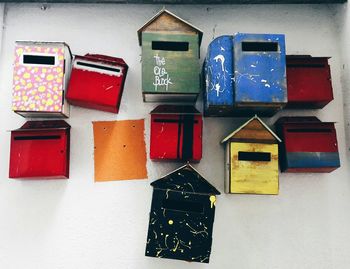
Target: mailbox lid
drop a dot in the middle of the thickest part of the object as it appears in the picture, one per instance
(97, 82)
(40, 151)
(170, 71)
(39, 77)
(259, 68)
(308, 81)
(218, 74)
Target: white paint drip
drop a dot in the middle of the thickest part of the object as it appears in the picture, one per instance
(222, 60)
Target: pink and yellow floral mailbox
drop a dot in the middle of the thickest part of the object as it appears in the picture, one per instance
(40, 78)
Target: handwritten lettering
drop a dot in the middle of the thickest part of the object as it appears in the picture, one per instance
(161, 76)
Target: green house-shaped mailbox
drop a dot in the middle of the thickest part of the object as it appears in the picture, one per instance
(170, 59)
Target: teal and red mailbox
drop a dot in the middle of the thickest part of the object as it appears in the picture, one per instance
(309, 145)
(245, 74)
(170, 59)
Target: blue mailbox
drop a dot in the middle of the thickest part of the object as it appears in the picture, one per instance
(245, 74)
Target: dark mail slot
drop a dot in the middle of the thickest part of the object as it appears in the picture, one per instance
(101, 67)
(305, 65)
(39, 59)
(185, 206)
(259, 46)
(254, 156)
(44, 137)
(170, 45)
(306, 130)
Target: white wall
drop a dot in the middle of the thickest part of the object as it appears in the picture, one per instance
(81, 224)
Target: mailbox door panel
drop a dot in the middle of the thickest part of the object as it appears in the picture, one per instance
(218, 72)
(251, 176)
(170, 140)
(38, 78)
(175, 70)
(260, 69)
(35, 155)
(309, 83)
(309, 149)
(180, 226)
(94, 89)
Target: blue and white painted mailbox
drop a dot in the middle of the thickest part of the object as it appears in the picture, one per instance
(245, 74)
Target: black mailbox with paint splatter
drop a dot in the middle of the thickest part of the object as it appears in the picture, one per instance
(182, 216)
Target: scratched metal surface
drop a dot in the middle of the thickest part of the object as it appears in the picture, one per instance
(218, 75)
(260, 76)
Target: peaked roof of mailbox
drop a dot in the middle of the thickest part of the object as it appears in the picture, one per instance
(161, 12)
(185, 179)
(245, 125)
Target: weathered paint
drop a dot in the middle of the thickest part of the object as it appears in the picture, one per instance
(313, 159)
(170, 71)
(218, 77)
(181, 217)
(309, 82)
(259, 76)
(254, 177)
(309, 145)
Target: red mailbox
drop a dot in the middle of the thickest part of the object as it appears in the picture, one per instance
(40, 149)
(309, 145)
(97, 82)
(308, 81)
(176, 133)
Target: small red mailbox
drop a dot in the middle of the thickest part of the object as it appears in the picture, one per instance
(40, 149)
(308, 81)
(176, 133)
(97, 82)
(309, 145)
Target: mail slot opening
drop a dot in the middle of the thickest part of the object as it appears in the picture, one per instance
(254, 156)
(309, 130)
(259, 46)
(305, 65)
(185, 206)
(39, 59)
(101, 67)
(32, 137)
(170, 45)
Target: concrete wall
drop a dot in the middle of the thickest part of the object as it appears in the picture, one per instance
(81, 224)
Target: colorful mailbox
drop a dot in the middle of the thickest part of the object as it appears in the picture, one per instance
(97, 82)
(252, 159)
(309, 145)
(40, 149)
(182, 216)
(170, 59)
(309, 81)
(218, 74)
(40, 78)
(245, 74)
(176, 133)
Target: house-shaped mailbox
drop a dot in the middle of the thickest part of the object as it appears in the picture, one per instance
(252, 159)
(245, 74)
(176, 133)
(309, 145)
(182, 216)
(40, 79)
(97, 82)
(308, 81)
(170, 59)
(40, 149)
